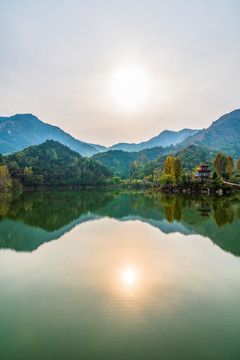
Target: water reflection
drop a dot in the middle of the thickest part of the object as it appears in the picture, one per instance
(30, 219)
(129, 278)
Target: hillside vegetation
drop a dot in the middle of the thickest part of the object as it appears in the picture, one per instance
(119, 161)
(54, 164)
(149, 159)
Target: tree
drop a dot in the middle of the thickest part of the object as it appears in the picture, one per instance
(116, 179)
(167, 180)
(5, 179)
(133, 169)
(214, 175)
(28, 172)
(157, 176)
(230, 166)
(177, 168)
(28, 175)
(168, 166)
(220, 163)
(145, 159)
(238, 166)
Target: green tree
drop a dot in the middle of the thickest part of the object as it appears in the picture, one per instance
(214, 175)
(145, 159)
(167, 180)
(133, 169)
(5, 179)
(220, 163)
(238, 166)
(116, 179)
(177, 168)
(168, 166)
(230, 166)
(157, 176)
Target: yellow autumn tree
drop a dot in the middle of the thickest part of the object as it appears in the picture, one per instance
(220, 163)
(177, 168)
(5, 179)
(168, 166)
(230, 166)
(238, 166)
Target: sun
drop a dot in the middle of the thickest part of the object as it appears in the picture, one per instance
(130, 88)
(129, 276)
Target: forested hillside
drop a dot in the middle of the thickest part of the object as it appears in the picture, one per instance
(149, 159)
(54, 164)
(119, 161)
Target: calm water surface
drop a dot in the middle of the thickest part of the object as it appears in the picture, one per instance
(97, 275)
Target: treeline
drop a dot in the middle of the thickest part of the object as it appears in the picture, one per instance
(119, 161)
(224, 166)
(50, 164)
(54, 164)
(147, 160)
(172, 175)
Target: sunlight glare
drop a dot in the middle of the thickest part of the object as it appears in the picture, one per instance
(129, 276)
(130, 87)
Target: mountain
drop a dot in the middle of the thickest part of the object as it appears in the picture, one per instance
(223, 135)
(19, 131)
(22, 130)
(164, 139)
(54, 164)
(201, 146)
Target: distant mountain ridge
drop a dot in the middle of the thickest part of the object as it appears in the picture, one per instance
(20, 131)
(223, 135)
(201, 146)
(164, 139)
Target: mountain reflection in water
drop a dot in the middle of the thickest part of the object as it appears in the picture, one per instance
(33, 218)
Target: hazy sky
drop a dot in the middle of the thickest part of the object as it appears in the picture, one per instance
(58, 59)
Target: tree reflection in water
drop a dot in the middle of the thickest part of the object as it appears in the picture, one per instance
(29, 219)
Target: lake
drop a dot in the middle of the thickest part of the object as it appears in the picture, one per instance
(111, 275)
